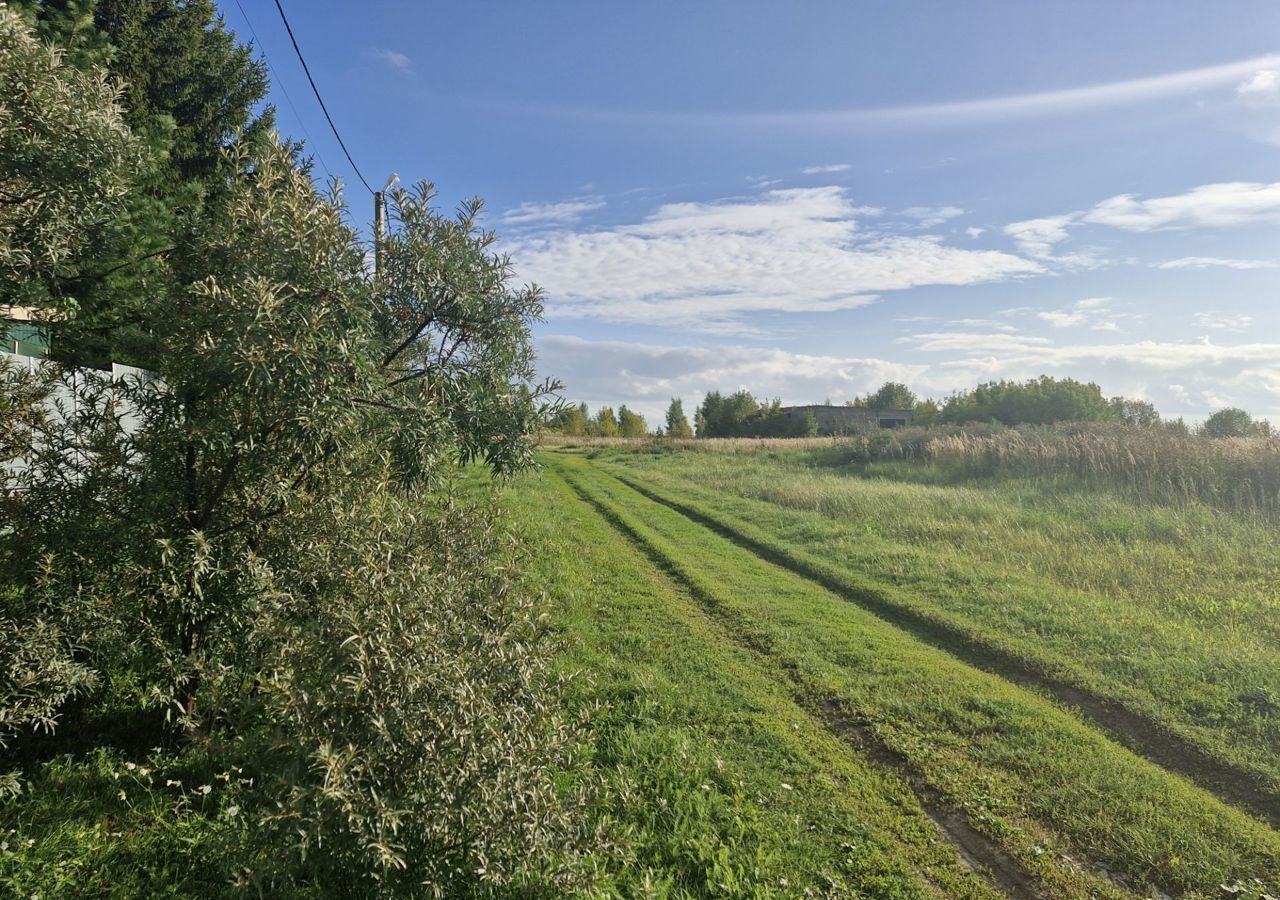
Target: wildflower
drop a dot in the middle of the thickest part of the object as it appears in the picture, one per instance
(785, 786)
(233, 811)
(130, 766)
(205, 789)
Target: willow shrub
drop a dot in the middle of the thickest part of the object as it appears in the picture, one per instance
(258, 544)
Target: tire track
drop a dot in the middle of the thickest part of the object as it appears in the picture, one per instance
(1140, 734)
(986, 858)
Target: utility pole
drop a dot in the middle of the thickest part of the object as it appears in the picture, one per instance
(380, 223)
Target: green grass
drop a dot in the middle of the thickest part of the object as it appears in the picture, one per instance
(1172, 612)
(716, 782)
(1052, 791)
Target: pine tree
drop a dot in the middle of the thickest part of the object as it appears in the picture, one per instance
(677, 422)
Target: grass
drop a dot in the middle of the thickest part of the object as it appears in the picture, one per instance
(1046, 789)
(716, 782)
(1169, 611)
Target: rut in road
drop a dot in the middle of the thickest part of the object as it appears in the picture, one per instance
(1140, 734)
(984, 856)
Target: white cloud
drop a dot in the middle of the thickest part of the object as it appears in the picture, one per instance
(397, 61)
(1207, 262)
(1094, 313)
(1221, 205)
(1262, 88)
(561, 213)
(825, 170)
(974, 232)
(706, 265)
(930, 216)
(1037, 237)
(958, 113)
(1223, 321)
(1207, 206)
(994, 324)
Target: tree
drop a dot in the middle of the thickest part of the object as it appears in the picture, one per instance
(275, 552)
(1229, 422)
(631, 424)
(606, 425)
(893, 395)
(571, 420)
(178, 64)
(677, 422)
(66, 157)
(1039, 401)
(1135, 413)
(189, 89)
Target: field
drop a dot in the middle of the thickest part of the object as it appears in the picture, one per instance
(818, 674)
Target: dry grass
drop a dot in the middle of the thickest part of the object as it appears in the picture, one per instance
(1156, 466)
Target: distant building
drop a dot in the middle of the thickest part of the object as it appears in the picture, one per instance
(849, 419)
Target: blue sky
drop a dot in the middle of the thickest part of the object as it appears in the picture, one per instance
(808, 199)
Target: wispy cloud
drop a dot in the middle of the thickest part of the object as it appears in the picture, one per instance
(708, 265)
(1094, 313)
(958, 112)
(1223, 321)
(1262, 88)
(974, 232)
(1040, 237)
(564, 212)
(1207, 206)
(930, 216)
(1220, 205)
(825, 170)
(1210, 262)
(396, 60)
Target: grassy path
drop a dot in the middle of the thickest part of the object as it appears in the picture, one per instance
(1042, 802)
(1144, 735)
(718, 782)
(1163, 624)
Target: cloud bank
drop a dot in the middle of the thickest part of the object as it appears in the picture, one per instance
(708, 265)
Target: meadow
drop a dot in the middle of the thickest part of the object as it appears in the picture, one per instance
(1005, 680)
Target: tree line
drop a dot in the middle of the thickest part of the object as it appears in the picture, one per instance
(1037, 401)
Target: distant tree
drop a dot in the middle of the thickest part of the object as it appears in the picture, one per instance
(605, 424)
(893, 395)
(1039, 401)
(1230, 422)
(571, 420)
(631, 424)
(925, 412)
(1135, 413)
(1176, 426)
(677, 421)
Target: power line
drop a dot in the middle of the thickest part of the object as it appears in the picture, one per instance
(323, 108)
(284, 90)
